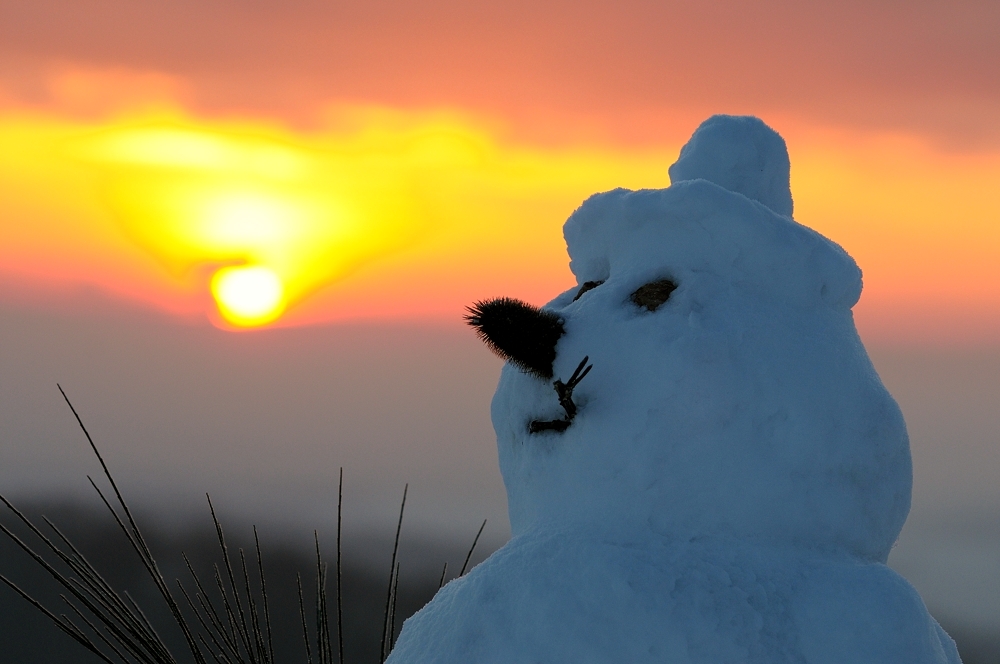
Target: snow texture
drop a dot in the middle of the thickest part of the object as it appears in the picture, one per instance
(737, 473)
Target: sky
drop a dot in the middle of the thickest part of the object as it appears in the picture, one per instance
(243, 234)
(318, 154)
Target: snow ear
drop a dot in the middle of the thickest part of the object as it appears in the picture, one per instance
(840, 281)
(589, 234)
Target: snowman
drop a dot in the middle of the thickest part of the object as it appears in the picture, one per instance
(701, 463)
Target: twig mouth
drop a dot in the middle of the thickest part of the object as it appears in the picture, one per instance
(565, 393)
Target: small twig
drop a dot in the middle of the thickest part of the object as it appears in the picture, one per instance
(564, 391)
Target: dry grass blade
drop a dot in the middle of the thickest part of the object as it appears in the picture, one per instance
(146, 556)
(302, 614)
(258, 634)
(465, 566)
(340, 593)
(444, 573)
(324, 647)
(220, 647)
(263, 596)
(217, 627)
(122, 633)
(91, 583)
(241, 626)
(392, 574)
(93, 629)
(62, 624)
(392, 611)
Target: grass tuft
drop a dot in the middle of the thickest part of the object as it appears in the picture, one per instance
(231, 625)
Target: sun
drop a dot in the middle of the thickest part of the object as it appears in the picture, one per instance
(248, 295)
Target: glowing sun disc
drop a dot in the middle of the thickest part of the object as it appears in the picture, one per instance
(248, 295)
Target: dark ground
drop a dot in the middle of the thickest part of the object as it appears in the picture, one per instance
(27, 637)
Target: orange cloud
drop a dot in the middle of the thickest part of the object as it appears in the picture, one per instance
(557, 70)
(390, 213)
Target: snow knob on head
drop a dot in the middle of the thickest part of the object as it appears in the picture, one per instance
(701, 462)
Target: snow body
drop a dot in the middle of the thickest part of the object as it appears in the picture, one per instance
(736, 474)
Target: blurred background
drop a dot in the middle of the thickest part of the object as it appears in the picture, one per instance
(242, 237)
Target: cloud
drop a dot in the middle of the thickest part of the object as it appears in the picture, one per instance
(931, 68)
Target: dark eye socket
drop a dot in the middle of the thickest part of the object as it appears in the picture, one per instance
(587, 285)
(653, 294)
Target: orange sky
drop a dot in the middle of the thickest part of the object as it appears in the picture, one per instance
(449, 141)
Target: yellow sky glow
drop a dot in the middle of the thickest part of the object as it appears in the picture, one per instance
(399, 214)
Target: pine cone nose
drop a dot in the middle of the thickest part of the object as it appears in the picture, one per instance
(518, 332)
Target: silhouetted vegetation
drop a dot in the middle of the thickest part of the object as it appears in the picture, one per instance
(112, 597)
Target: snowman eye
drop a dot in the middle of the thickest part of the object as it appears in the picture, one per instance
(587, 285)
(653, 294)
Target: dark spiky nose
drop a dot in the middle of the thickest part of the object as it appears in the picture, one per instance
(518, 332)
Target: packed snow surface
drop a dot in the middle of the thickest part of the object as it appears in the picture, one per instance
(736, 473)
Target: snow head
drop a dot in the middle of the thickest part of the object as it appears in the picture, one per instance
(702, 466)
(729, 394)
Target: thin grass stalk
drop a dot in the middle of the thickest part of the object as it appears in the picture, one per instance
(212, 652)
(65, 558)
(114, 628)
(137, 546)
(302, 614)
(234, 628)
(151, 566)
(392, 615)
(465, 566)
(228, 639)
(340, 603)
(85, 569)
(138, 612)
(141, 639)
(202, 621)
(115, 608)
(91, 582)
(392, 573)
(321, 624)
(244, 632)
(64, 625)
(325, 612)
(94, 629)
(210, 612)
(444, 572)
(258, 635)
(220, 657)
(263, 594)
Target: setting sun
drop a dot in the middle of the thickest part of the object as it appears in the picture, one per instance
(249, 295)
